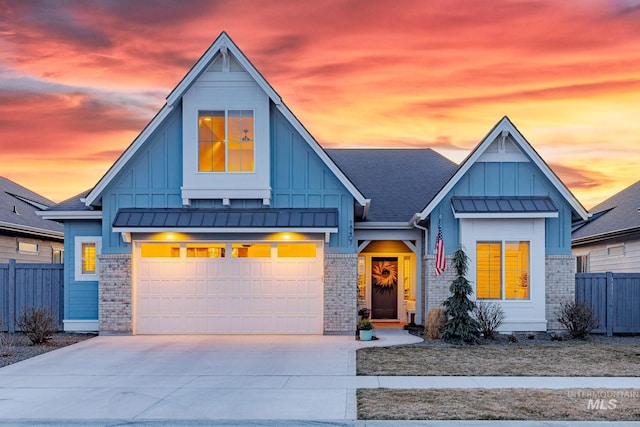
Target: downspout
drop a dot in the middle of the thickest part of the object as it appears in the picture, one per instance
(421, 303)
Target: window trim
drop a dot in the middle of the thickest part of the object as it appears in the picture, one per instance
(27, 251)
(53, 254)
(226, 141)
(619, 250)
(78, 241)
(503, 272)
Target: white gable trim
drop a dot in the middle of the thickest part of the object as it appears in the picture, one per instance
(504, 125)
(323, 155)
(176, 94)
(127, 155)
(223, 42)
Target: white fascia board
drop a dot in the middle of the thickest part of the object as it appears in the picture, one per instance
(506, 215)
(293, 120)
(382, 226)
(31, 230)
(505, 125)
(127, 155)
(205, 61)
(60, 215)
(200, 230)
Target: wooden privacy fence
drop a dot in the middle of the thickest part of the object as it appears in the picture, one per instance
(615, 298)
(30, 285)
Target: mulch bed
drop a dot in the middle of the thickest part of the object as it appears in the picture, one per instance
(17, 347)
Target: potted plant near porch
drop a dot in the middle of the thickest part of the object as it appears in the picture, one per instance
(366, 329)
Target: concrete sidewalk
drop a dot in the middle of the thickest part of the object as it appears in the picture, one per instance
(196, 380)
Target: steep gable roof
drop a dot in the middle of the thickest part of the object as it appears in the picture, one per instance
(398, 181)
(18, 207)
(503, 128)
(222, 44)
(616, 216)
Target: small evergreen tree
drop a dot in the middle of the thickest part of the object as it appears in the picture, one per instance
(460, 325)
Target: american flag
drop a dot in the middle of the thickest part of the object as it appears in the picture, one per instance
(441, 260)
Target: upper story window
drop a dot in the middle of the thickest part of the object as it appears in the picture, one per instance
(226, 141)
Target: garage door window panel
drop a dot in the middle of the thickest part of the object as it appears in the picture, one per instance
(251, 250)
(296, 250)
(160, 250)
(206, 250)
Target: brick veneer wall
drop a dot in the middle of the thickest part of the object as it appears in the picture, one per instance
(560, 286)
(340, 293)
(114, 294)
(437, 287)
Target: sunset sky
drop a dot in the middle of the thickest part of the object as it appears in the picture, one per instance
(80, 79)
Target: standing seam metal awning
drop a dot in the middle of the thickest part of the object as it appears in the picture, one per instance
(319, 220)
(504, 207)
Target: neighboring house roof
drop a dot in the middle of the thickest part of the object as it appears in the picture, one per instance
(72, 208)
(615, 217)
(398, 181)
(222, 44)
(18, 207)
(502, 129)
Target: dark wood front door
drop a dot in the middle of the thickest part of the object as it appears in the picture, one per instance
(384, 288)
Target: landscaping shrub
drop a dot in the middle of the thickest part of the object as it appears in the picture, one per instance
(435, 321)
(6, 343)
(490, 316)
(37, 324)
(578, 317)
(460, 325)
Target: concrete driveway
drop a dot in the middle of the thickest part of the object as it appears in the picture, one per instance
(190, 378)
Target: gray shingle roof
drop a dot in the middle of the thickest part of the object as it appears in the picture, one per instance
(399, 182)
(533, 204)
(18, 207)
(72, 204)
(225, 218)
(619, 212)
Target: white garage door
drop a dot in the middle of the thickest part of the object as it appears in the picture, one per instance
(224, 288)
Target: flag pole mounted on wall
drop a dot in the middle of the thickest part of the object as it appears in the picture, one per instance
(441, 260)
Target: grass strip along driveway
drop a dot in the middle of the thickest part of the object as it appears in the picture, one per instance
(569, 358)
(499, 404)
(600, 357)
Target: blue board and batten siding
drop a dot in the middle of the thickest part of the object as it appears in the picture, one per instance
(81, 297)
(300, 179)
(505, 179)
(151, 179)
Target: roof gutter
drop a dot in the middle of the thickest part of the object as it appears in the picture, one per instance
(32, 230)
(605, 236)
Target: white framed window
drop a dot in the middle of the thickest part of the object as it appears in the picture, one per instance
(226, 141)
(87, 249)
(582, 263)
(57, 255)
(617, 250)
(28, 248)
(502, 270)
